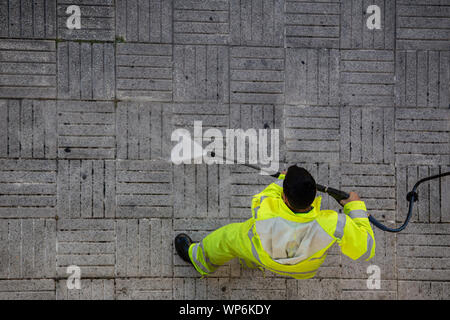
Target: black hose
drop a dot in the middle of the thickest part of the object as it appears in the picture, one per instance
(412, 197)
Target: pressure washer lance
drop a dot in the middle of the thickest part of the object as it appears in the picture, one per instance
(339, 195)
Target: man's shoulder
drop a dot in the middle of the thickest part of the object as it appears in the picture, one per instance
(327, 214)
(327, 220)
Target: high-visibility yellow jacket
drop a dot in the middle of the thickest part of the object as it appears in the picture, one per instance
(284, 242)
(296, 244)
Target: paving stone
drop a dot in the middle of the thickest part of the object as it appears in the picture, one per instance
(86, 129)
(313, 289)
(202, 191)
(375, 183)
(86, 70)
(423, 290)
(97, 20)
(354, 31)
(422, 136)
(255, 116)
(313, 76)
(311, 134)
(423, 252)
(201, 73)
(422, 24)
(367, 135)
(422, 79)
(312, 24)
(144, 289)
(206, 289)
(140, 130)
(144, 72)
(201, 21)
(144, 20)
(27, 129)
(257, 289)
(229, 288)
(28, 188)
(256, 75)
(27, 69)
(357, 290)
(256, 23)
(86, 189)
(144, 247)
(367, 77)
(28, 19)
(144, 189)
(95, 289)
(88, 244)
(34, 289)
(27, 248)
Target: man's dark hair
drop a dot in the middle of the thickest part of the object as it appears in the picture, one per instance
(299, 187)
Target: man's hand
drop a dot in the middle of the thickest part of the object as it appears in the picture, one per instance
(353, 197)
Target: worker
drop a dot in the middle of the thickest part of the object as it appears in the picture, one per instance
(287, 234)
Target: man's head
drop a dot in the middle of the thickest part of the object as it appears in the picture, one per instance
(299, 187)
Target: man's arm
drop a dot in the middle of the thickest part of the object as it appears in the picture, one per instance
(358, 240)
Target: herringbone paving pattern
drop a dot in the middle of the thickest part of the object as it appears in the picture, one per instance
(86, 118)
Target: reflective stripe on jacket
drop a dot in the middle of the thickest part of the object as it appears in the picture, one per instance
(296, 244)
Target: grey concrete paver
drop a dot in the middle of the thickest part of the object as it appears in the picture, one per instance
(312, 24)
(144, 71)
(422, 78)
(88, 244)
(28, 129)
(258, 23)
(97, 20)
(201, 73)
(314, 69)
(40, 289)
(86, 70)
(144, 21)
(27, 248)
(416, 28)
(367, 77)
(86, 129)
(28, 68)
(26, 19)
(249, 83)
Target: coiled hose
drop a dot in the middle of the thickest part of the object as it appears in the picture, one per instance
(412, 197)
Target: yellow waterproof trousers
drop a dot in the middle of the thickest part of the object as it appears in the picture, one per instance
(220, 246)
